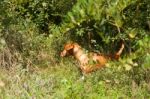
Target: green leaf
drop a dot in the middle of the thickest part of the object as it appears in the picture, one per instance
(127, 67)
(132, 33)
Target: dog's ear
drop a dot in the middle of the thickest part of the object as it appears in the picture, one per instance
(69, 46)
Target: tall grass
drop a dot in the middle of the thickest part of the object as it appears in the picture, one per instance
(31, 41)
(64, 81)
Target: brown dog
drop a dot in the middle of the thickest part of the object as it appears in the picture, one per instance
(85, 59)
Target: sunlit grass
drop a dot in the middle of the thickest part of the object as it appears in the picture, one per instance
(64, 81)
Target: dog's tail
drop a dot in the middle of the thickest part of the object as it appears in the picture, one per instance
(117, 54)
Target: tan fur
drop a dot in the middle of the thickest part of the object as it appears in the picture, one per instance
(84, 58)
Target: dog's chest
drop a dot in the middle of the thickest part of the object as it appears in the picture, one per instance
(81, 55)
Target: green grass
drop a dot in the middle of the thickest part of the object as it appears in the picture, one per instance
(63, 81)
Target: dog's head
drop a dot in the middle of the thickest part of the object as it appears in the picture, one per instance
(68, 49)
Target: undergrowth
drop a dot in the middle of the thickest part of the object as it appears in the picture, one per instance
(64, 81)
(33, 33)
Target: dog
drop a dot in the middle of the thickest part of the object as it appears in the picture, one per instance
(91, 61)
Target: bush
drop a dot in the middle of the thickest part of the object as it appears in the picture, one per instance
(109, 21)
(33, 33)
(43, 13)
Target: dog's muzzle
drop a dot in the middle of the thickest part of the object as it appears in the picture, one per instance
(63, 53)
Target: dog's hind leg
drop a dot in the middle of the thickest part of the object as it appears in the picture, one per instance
(91, 68)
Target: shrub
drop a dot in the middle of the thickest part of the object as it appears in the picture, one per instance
(108, 21)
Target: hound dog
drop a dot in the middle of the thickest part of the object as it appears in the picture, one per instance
(91, 61)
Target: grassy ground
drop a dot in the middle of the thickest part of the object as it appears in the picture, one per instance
(31, 37)
(64, 81)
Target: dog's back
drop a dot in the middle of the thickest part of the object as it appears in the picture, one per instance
(84, 58)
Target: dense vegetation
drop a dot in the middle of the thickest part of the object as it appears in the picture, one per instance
(32, 35)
